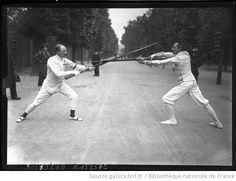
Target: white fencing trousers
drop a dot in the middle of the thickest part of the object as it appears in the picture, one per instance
(189, 87)
(43, 95)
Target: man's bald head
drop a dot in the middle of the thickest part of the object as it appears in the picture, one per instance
(177, 47)
(61, 50)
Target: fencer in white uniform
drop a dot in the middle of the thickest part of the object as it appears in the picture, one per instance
(186, 83)
(54, 82)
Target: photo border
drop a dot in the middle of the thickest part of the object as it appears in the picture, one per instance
(107, 167)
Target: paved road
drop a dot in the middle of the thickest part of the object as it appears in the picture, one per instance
(122, 110)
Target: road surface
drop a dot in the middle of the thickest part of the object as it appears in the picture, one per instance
(122, 110)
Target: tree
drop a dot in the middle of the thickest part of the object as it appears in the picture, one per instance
(89, 28)
(14, 15)
(195, 27)
(105, 39)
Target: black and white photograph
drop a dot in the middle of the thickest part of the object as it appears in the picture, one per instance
(118, 85)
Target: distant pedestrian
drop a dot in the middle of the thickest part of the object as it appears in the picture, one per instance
(42, 57)
(186, 84)
(11, 79)
(54, 82)
(95, 61)
(195, 63)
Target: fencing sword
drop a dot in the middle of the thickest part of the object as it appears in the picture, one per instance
(137, 50)
(124, 55)
(88, 68)
(116, 59)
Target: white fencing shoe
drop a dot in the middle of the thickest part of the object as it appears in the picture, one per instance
(169, 122)
(75, 118)
(20, 119)
(216, 124)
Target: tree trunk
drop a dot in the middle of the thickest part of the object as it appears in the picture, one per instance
(220, 59)
(226, 56)
(225, 65)
(227, 52)
(73, 52)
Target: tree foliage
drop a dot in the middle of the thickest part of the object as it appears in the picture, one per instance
(104, 39)
(195, 27)
(14, 16)
(77, 27)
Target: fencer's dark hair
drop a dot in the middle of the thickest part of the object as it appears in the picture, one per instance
(58, 47)
(180, 45)
(44, 45)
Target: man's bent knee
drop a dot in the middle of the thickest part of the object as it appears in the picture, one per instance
(75, 97)
(206, 106)
(35, 104)
(167, 101)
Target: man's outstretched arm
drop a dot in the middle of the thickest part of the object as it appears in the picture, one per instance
(78, 67)
(161, 55)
